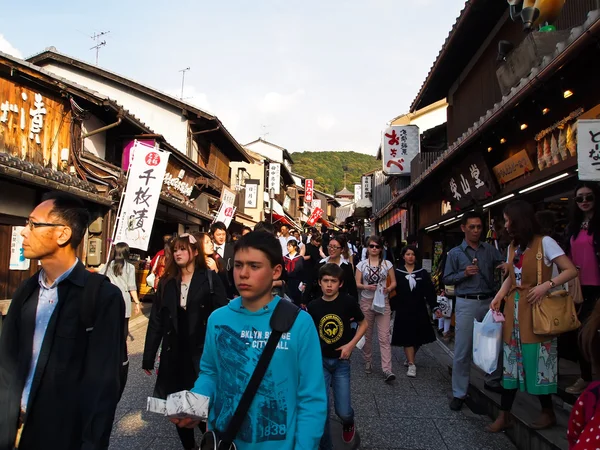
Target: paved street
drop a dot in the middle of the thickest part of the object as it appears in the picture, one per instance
(408, 414)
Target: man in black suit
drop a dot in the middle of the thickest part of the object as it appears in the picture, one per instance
(59, 377)
(218, 230)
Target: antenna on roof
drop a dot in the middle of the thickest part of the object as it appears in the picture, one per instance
(265, 132)
(183, 71)
(96, 37)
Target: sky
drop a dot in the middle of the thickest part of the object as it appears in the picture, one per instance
(306, 75)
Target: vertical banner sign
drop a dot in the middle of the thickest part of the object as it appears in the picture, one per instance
(308, 190)
(588, 149)
(144, 184)
(274, 177)
(399, 144)
(357, 192)
(316, 215)
(251, 195)
(17, 259)
(366, 186)
(226, 213)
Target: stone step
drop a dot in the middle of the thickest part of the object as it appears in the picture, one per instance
(525, 410)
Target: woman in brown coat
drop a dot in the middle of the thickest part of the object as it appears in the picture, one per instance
(530, 360)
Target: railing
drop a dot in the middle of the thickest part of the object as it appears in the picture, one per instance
(421, 163)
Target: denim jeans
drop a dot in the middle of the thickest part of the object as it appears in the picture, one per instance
(337, 375)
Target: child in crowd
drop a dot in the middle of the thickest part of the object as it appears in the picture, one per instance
(333, 315)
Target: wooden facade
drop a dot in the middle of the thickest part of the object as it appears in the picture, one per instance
(34, 126)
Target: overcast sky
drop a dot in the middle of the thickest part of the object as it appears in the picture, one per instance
(314, 75)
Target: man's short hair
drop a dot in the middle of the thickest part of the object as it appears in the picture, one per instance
(246, 228)
(72, 212)
(217, 226)
(264, 242)
(471, 215)
(331, 270)
(265, 226)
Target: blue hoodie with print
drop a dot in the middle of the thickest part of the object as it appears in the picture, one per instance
(290, 407)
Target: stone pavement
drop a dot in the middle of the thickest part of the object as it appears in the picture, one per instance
(406, 414)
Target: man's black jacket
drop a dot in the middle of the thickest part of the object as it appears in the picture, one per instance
(75, 388)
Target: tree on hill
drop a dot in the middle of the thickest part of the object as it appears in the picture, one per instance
(327, 168)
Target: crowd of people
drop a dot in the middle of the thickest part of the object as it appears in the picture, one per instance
(217, 301)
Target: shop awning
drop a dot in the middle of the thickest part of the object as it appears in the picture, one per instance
(279, 215)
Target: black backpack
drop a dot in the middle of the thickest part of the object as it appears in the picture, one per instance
(88, 309)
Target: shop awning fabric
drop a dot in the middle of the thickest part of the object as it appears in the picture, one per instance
(284, 220)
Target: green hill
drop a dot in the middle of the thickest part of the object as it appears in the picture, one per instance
(327, 168)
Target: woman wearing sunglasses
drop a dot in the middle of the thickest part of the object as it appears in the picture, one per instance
(371, 276)
(583, 247)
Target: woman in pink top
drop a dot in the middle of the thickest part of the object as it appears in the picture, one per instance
(583, 246)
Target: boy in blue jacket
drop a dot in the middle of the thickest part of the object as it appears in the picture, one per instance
(290, 407)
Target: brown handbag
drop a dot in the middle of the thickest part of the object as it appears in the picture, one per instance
(574, 288)
(555, 314)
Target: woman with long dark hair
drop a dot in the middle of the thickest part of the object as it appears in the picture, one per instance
(583, 247)
(414, 291)
(184, 300)
(121, 273)
(371, 276)
(335, 248)
(530, 360)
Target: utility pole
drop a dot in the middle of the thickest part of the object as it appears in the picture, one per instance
(96, 37)
(183, 71)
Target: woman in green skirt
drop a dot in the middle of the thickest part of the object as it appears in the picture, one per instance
(530, 360)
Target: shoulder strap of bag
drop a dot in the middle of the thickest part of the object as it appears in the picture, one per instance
(539, 256)
(282, 320)
(90, 293)
(484, 278)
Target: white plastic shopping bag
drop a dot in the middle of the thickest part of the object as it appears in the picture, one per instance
(487, 343)
(378, 301)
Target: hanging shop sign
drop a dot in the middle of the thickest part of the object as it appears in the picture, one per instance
(141, 196)
(513, 167)
(308, 190)
(357, 192)
(228, 195)
(178, 184)
(470, 182)
(274, 177)
(251, 199)
(588, 149)
(399, 144)
(365, 181)
(316, 203)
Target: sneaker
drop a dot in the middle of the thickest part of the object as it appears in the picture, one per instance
(579, 386)
(389, 376)
(412, 371)
(368, 368)
(348, 433)
(456, 404)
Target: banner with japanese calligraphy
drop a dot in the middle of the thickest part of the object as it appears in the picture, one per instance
(399, 145)
(366, 185)
(251, 197)
(274, 177)
(588, 149)
(316, 215)
(144, 184)
(308, 190)
(470, 182)
(226, 213)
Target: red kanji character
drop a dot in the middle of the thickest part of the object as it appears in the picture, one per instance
(394, 140)
(152, 159)
(393, 152)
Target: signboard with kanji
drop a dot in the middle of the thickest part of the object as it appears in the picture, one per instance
(588, 149)
(470, 181)
(251, 200)
(366, 186)
(17, 258)
(144, 184)
(316, 215)
(513, 167)
(275, 177)
(228, 195)
(357, 192)
(308, 190)
(399, 145)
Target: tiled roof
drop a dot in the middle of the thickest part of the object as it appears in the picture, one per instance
(493, 113)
